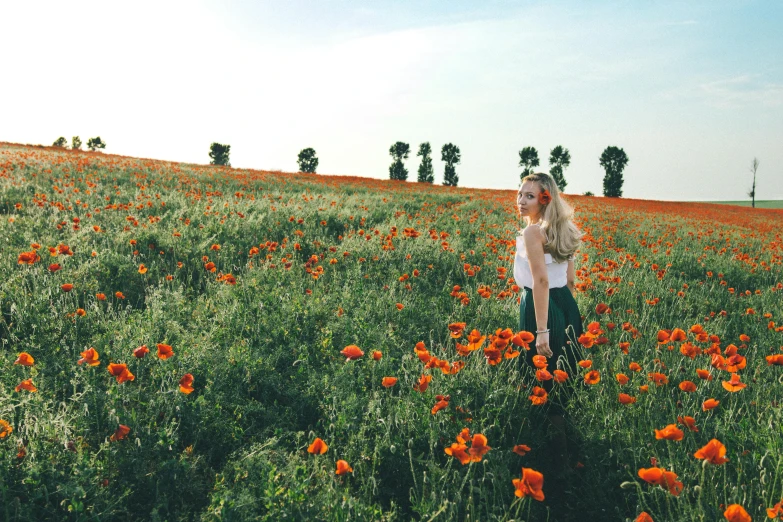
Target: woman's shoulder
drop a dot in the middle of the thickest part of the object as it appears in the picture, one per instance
(533, 232)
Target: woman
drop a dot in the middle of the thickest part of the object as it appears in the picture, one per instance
(544, 267)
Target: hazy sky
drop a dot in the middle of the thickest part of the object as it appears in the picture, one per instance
(692, 91)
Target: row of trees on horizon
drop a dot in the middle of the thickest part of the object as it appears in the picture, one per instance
(613, 160)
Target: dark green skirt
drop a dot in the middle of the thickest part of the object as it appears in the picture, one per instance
(565, 326)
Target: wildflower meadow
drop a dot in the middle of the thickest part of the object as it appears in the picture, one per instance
(189, 342)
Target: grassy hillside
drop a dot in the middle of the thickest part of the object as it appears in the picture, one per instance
(257, 281)
(769, 203)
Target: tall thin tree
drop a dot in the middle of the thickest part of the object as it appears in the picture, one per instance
(426, 174)
(613, 160)
(528, 159)
(450, 154)
(559, 160)
(754, 166)
(399, 151)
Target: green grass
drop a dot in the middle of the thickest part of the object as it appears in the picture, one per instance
(768, 203)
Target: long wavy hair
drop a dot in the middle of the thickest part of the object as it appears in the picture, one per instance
(562, 236)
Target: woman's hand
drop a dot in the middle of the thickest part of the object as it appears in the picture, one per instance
(542, 344)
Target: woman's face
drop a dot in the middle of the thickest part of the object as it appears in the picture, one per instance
(527, 199)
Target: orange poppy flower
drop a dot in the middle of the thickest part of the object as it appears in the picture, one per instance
(658, 378)
(601, 308)
(5, 429)
(475, 337)
(54, 267)
(456, 329)
(678, 335)
(687, 386)
(585, 364)
(709, 404)
(539, 361)
(423, 383)
(142, 269)
(530, 485)
(539, 396)
(624, 398)
(670, 432)
(689, 422)
(733, 385)
(522, 339)
(376, 355)
(544, 197)
(89, 356)
(624, 346)
(121, 372)
(442, 403)
(521, 449)
(586, 340)
(689, 350)
(141, 351)
(121, 433)
(775, 359)
(713, 452)
(560, 376)
(119, 295)
(458, 451)
(493, 355)
(352, 352)
(388, 382)
(318, 447)
(644, 388)
(644, 517)
(622, 378)
(661, 477)
(703, 374)
(592, 377)
(25, 359)
(343, 467)
(775, 511)
(543, 375)
(634, 367)
(26, 384)
(186, 384)
(478, 447)
(663, 337)
(736, 513)
(400, 306)
(165, 351)
(28, 258)
(81, 312)
(67, 287)
(100, 297)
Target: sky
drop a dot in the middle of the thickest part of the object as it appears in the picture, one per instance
(692, 91)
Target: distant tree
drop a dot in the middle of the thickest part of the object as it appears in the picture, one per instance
(76, 143)
(451, 155)
(219, 154)
(61, 142)
(754, 166)
(528, 158)
(613, 160)
(399, 151)
(308, 161)
(426, 174)
(96, 143)
(588, 193)
(559, 160)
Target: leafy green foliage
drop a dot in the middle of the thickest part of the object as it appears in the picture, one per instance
(96, 143)
(528, 160)
(559, 160)
(219, 154)
(399, 151)
(426, 172)
(613, 160)
(450, 155)
(60, 142)
(307, 160)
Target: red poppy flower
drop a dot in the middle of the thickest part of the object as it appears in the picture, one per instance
(733, 385)
(141, 351)
(592, 377)
(28, 258)
(343, 467)
(670, 432)
(713, 452)
(687, 386)
(539, 361)
(658, 378)
(543, 375)
(423, 383)
(523, 339)
(661, 477)
(560, 376)
(67, 287)
(89, 356)
(709, 404)
(455, 330)
(164, 351)
(318, 447)
(544, 197)
(186, 384)
(121, 372)
(142, 269)
(25, 359)
(5, 429)
(26, 384)
(121, 433)
(376, 355)
(624, 398)
(521, 449)
(644, 517)
(689, 422)
(388, 382)
(539, 396)
(776, 359)
(119, 295)
(54, 267)
(530, 485)
(622, 378)
(100, 297)
(585, 363)
(736, 513)
(352, 352)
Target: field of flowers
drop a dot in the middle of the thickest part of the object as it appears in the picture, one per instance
(182, 342)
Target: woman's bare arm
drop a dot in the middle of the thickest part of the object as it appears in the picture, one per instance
(534, 245)
(571, 278)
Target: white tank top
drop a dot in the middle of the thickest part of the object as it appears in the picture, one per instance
(556, 272)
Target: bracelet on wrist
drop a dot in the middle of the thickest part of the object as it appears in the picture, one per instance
(542, 331)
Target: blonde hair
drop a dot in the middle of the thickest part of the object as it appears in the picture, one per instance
(562, 236)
